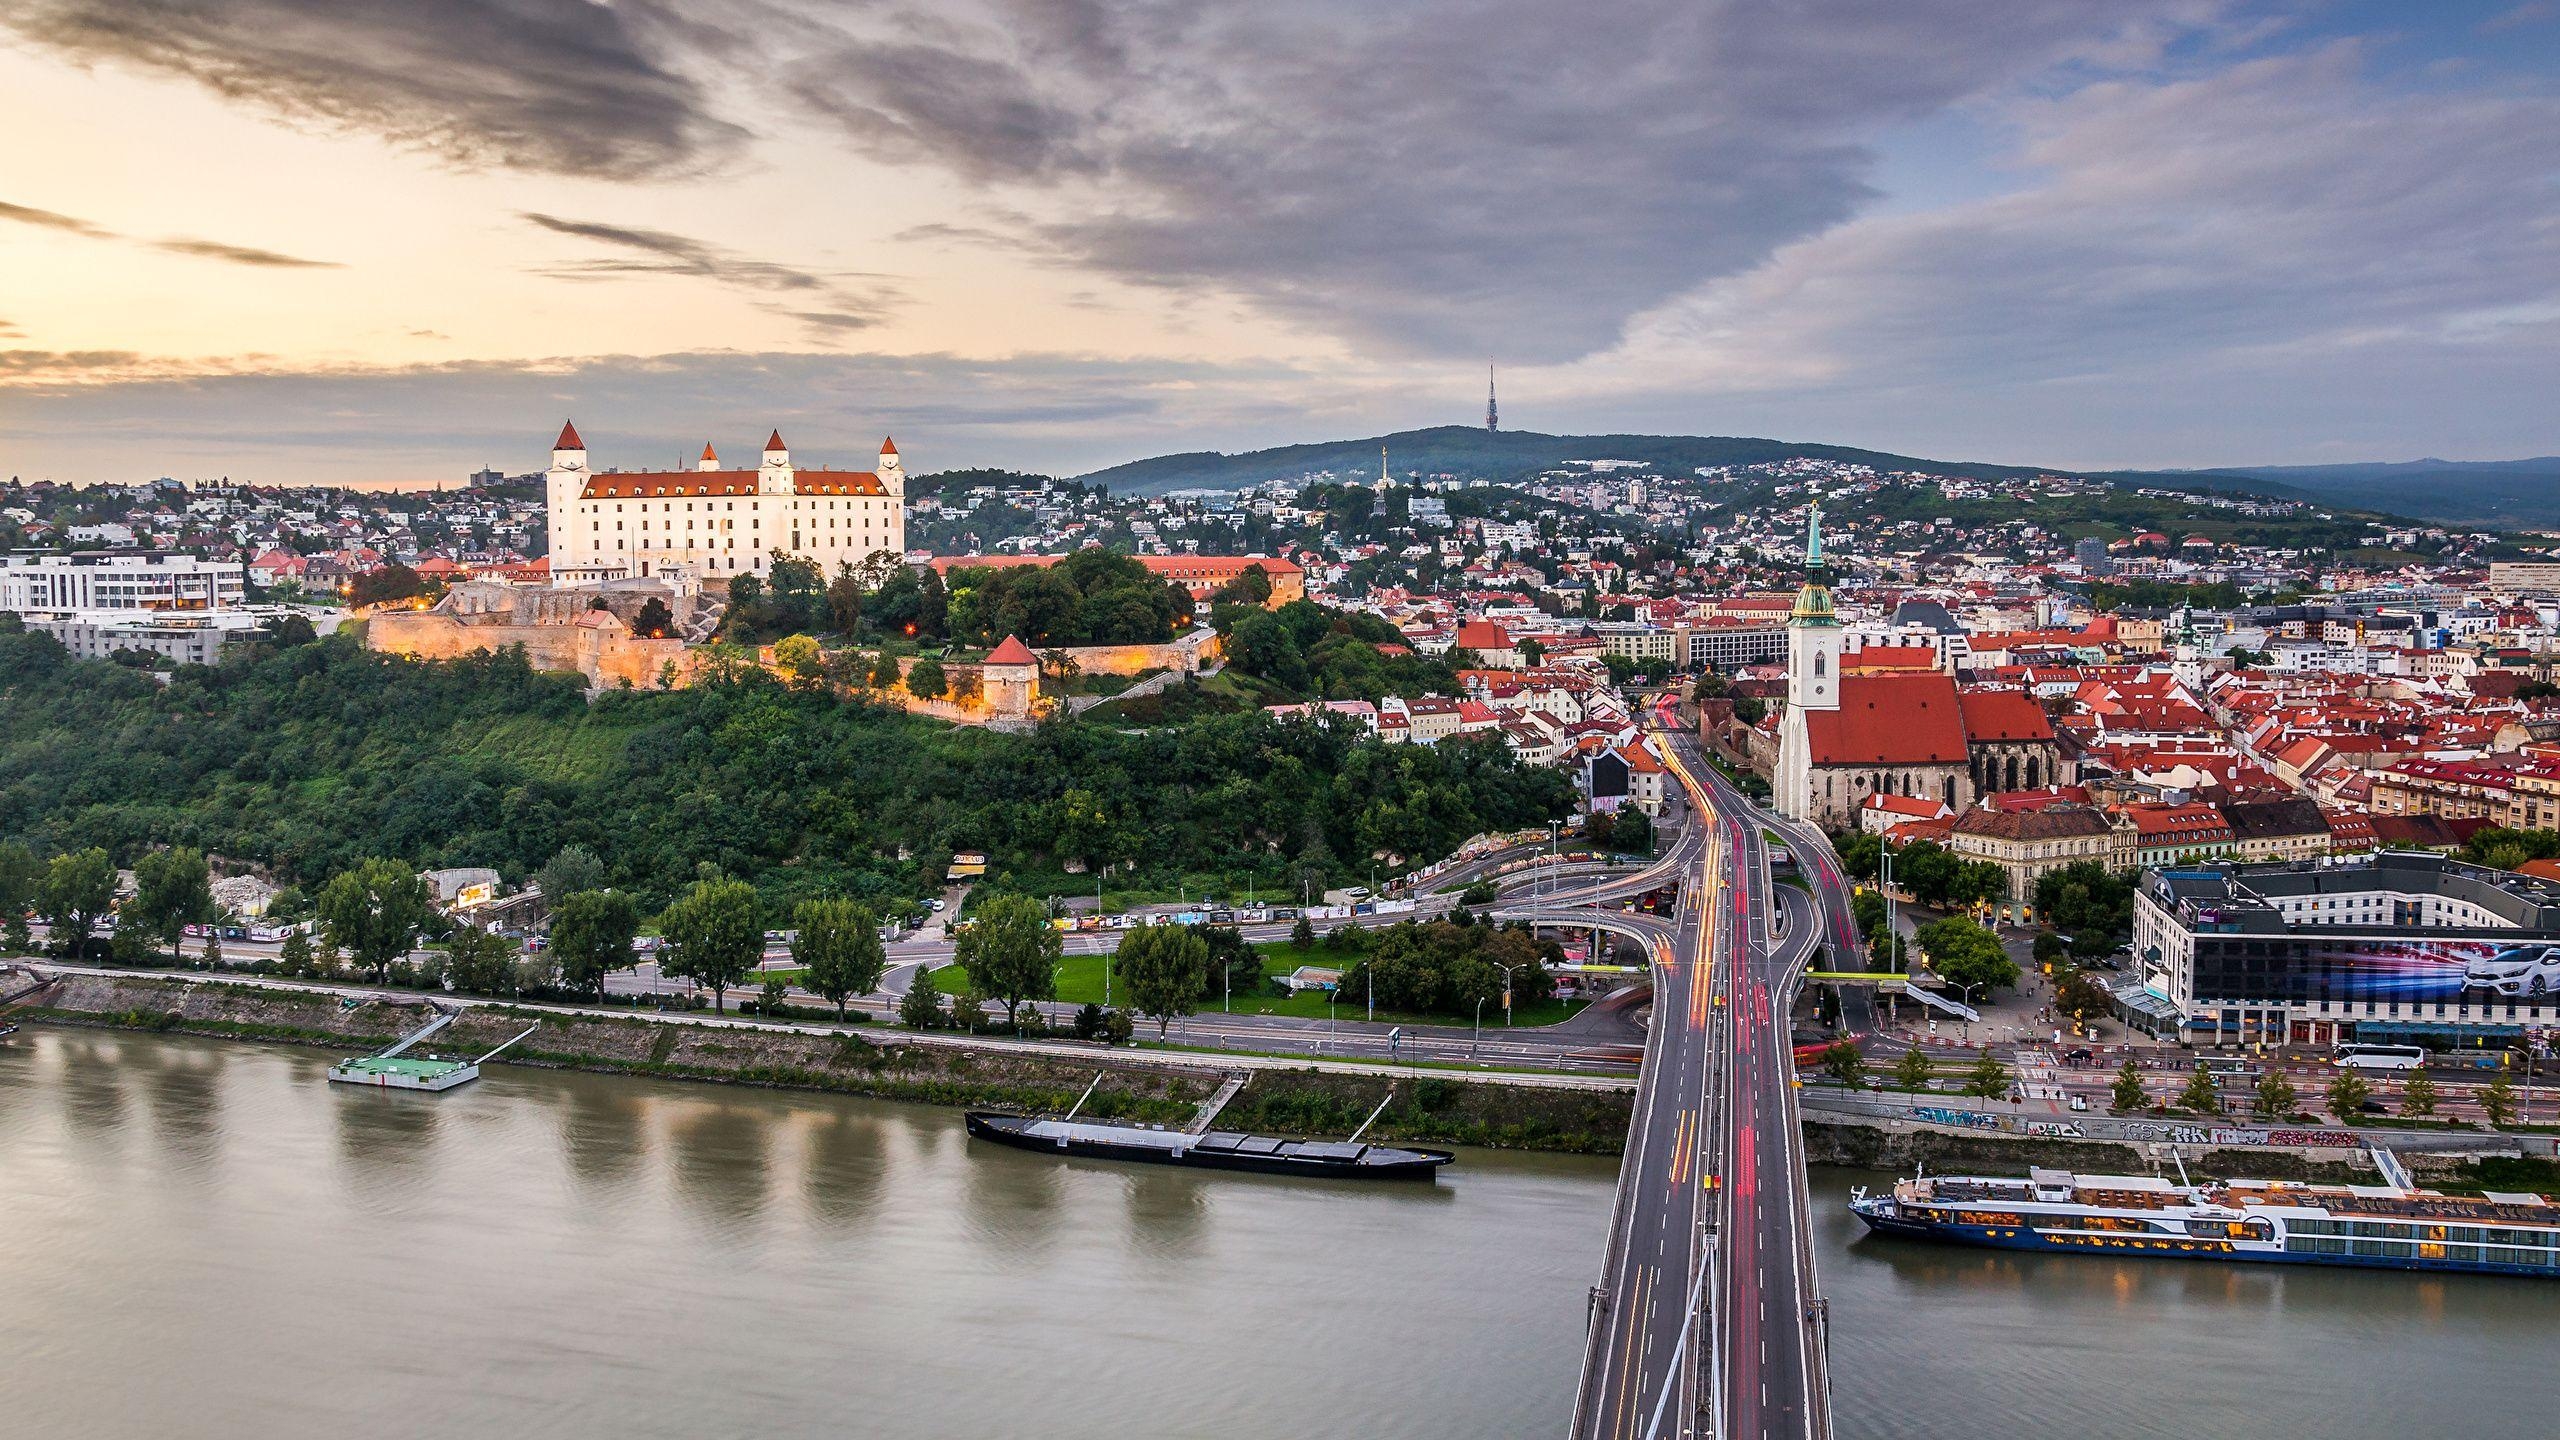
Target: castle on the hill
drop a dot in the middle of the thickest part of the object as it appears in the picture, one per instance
(714, 524)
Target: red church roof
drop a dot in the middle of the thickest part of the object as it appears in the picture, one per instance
(2004, 715)
(1012, 652)
(1912, 719)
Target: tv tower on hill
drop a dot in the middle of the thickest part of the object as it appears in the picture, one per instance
(1492, 416)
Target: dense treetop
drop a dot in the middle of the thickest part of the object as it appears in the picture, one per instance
(309, 758)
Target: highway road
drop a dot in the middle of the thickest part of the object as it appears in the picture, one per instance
(1706, 1320)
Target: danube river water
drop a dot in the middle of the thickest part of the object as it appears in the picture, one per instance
(206, 1239)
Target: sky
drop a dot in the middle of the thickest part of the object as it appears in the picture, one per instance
(397, 240)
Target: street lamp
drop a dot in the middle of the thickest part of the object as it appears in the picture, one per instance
(1473, 1045)
(1506, 990)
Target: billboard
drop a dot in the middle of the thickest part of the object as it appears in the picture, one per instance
(2474, 970)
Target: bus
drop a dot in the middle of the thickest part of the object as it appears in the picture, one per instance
(2382, 1057)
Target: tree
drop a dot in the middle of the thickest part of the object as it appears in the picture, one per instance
(591, 935)
(1011, 952)
(481, 961)
(1988, 1078)
(21, 879)
(1966, 955)
(716, 934)
(295, 956)
(1165, 968)
(1845, 1063)
(925, 679)
(173, 889)
(2276, 1097)
(2200, 1094)
(374, 913)
(838, 943)
(570, 870)
(655, 621)
(800, 660)
(1235, 967)
(2129, 1094)
(2498, 1102)
(1302, 934)
(1911, 1069)
(921, 1007)
(844, 599)
(933, 604)
(2348, 1095)
(2418, 1097)
(79, 891)
(884, 671)
(213, 952)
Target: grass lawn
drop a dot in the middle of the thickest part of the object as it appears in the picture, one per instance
(1080, 983)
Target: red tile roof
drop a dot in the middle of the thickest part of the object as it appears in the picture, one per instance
(568, 438)
(662, 484)
(1012, 652)
(1890, 720)
(2003, 715)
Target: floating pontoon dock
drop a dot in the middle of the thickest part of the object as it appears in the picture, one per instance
(394, 1069)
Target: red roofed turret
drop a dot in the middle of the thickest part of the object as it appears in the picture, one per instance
(888, 446)
(568, 438)
(1013, 652)
(773, 442)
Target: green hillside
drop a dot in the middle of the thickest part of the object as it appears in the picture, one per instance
(1490, 455)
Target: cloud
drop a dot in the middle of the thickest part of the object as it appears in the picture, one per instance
(48, 220)
(200, 249)
(2256, 259)
(661, 252)
(2532, 12)
(113, 415)
(1441, 178)
(242, 255)
(558, 86)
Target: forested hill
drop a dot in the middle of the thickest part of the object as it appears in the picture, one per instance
(308, 758)
(1491, 455)
(2459, 492)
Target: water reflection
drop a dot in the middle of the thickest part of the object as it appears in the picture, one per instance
(846, 1169)
(601, 1134)
(720, 1159)
(184, 1093)
(386, 1138)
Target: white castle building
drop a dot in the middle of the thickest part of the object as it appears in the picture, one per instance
(711, 524)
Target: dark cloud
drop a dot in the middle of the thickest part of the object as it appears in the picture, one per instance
(1512, 177)
(563, 86)
(242, 255)
(660, 252)
(47, 219)
(847, 306)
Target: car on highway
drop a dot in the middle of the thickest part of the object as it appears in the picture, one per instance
(1356, 892)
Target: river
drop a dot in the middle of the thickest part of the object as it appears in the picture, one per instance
(205, 1239)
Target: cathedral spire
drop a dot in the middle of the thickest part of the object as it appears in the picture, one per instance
(1813, 602)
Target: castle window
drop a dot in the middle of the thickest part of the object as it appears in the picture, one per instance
(1818, 663)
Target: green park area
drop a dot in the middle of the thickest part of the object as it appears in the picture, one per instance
(1080, 982)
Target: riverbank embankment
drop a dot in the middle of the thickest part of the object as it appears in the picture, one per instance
(894, 1065)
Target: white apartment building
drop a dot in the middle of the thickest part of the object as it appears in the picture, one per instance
(122, 580)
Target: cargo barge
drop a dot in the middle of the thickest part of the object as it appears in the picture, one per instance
(1214, 1150)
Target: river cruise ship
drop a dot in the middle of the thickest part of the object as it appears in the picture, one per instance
(2392, 1226)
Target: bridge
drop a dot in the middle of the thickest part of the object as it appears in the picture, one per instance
(1708, 1319)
